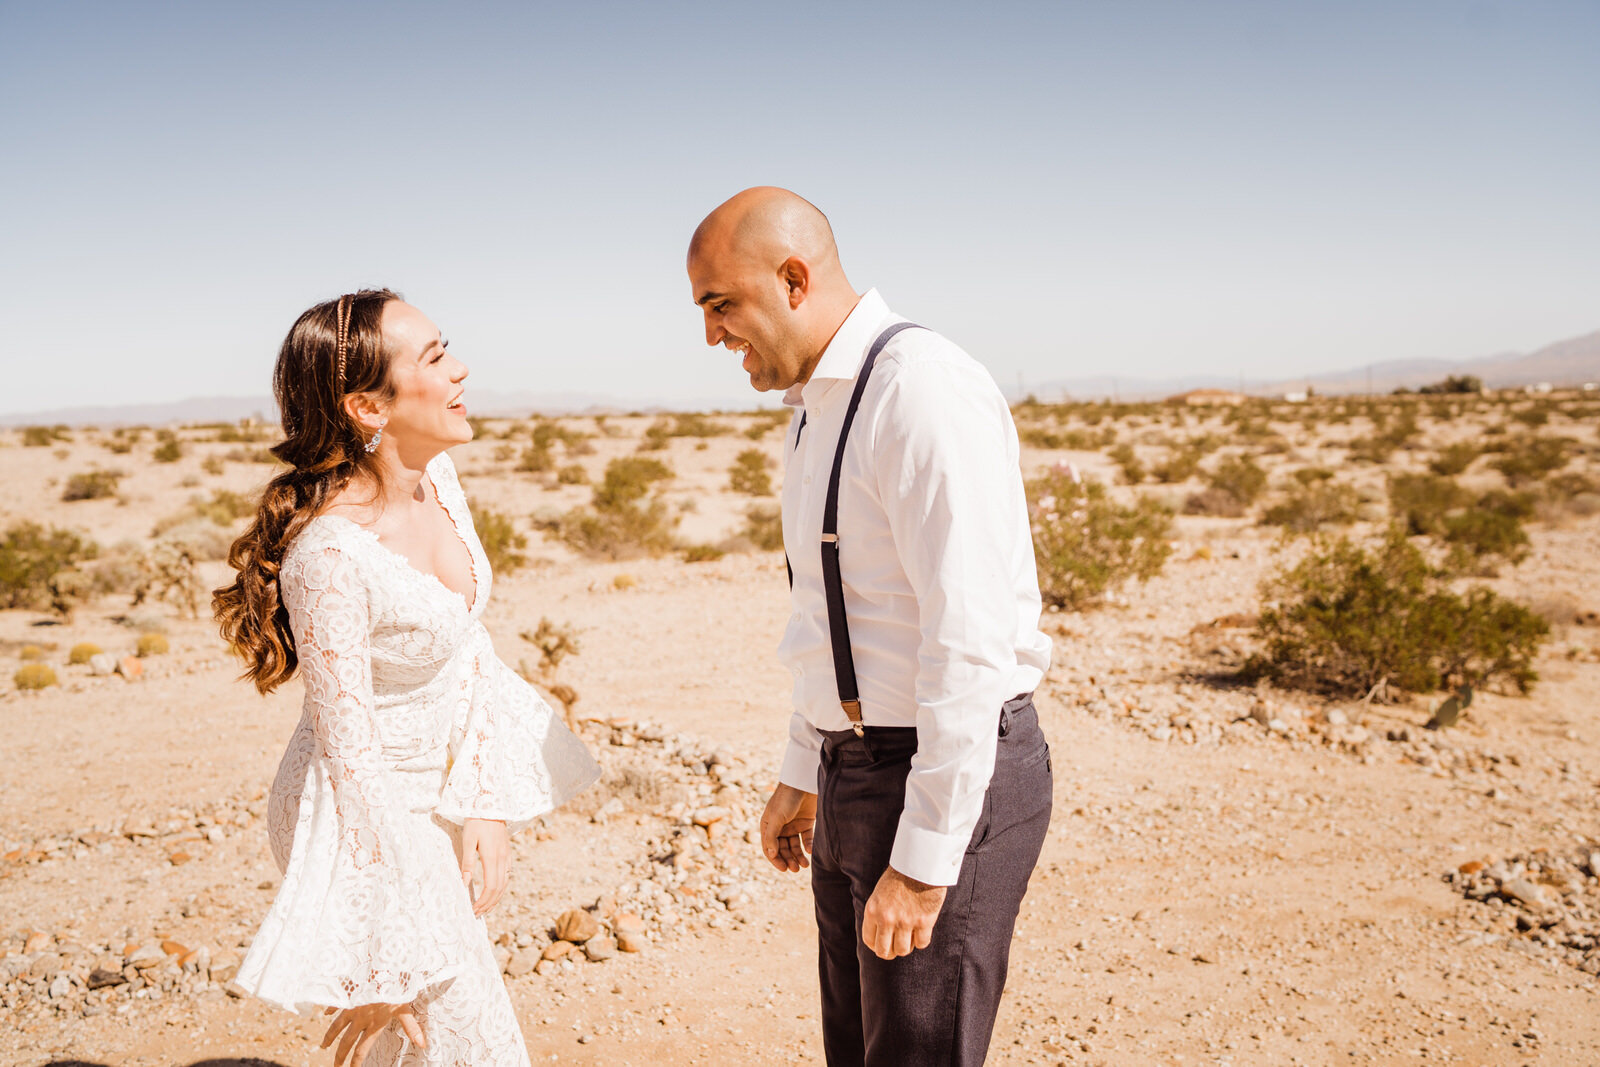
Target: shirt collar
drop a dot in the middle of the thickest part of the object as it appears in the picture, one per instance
(841, 360)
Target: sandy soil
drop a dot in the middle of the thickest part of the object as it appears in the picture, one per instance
(1214, 889)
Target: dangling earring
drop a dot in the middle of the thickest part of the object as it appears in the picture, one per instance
(372, 445)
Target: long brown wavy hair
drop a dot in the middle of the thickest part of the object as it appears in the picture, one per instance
(325, 448)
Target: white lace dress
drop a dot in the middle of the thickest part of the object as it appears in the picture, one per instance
(411, 724)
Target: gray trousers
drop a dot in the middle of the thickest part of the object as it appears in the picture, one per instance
(936, 1006)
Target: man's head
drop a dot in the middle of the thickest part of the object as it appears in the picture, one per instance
(765, 271)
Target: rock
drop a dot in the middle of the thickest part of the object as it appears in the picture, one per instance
(631, 940)
(235, 990)
(600, 947)
(576, 925)
(131, 668)
(502, 957)
(523, 961)
(1336, 717)
(1471, 867)
(101, 977)
(1526, 893)
(45, 965)
(37, 941)
(546, 967)
(1594, 864)
(224, 967)
(557, 949)
(179, 858)
(708, 816)
(102, 664)
(174, 948)
(145, 956)
(61, 986)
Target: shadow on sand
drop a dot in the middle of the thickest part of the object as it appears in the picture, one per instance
(197, 1063)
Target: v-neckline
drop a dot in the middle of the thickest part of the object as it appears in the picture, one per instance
(405, 561)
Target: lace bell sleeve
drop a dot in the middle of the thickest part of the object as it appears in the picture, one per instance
(365, 913)
(511, 756)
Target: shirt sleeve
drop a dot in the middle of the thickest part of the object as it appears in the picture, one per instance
(803, 755)
(948, 474)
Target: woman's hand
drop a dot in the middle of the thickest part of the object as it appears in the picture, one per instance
(485, 839)
(364, 1025)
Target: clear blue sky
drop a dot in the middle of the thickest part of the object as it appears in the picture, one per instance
(1064, 188)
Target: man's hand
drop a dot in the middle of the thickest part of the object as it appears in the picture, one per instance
(786, 827)
(485, 839)
(900, 914)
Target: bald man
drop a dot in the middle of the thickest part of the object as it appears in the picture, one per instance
(916, 783)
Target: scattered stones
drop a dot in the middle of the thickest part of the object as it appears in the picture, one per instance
(1542, 900)
(600, 947)
(131, 668)
(522, 962)
(102, 664)
(102, 977)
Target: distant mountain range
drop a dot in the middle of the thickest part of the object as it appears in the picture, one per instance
(1570, 362)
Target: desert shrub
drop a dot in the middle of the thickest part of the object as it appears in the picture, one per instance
(91, 485)
(1214, 501)
(1453, 459)
(1421, 501)
(620, 521)
(211, 464)
(151, 644)
(1128, 462)
(701, 553)
(1084, 542)
(1347, 621)
(502, 543)
(29, 653)
(536, 459)
(245, 432)
(694, 424)
(655, 436)
(572, 474)
(119, 446)
(34, 676)
(1455, 383)
(170, 572)
(763, 527)
(250, 455)
(749, 475)
(170, 450)
(1530, 457)
(1240, 477)
(1478, 537)
(44, 436)
(223, 507)
(1313, 504)
(1180, 465)
(83, 652)
(1533, 417)
(31, 558)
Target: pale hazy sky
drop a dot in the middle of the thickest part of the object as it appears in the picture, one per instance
(1066, 189)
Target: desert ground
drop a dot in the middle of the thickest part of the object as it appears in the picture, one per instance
(1236, 872)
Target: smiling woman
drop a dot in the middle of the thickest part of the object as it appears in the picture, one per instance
(418, 751)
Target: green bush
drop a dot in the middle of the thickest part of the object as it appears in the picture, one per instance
(1348, 620)
(749, 475)
(1180, 465)
(1240, 477)
(572, 474)
(82, 653)
(502, 544)
(91, 485)
(536, 459)
(763, 527)
(1453, 459)
(1421, 501)
(34, 676)
(1084, 542)
(44, 436)
(31, 558)
(619, 521)
(1479, 536)
(1128, 462)
(168, 451)
(151, 644)
(1528, 458)
(1311, 505)
(1455, 383)
(655, 436)
(701, 553)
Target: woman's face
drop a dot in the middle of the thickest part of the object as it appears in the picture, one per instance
(427, 412)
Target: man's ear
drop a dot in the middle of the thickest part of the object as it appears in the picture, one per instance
(796, 278)
(364, 411)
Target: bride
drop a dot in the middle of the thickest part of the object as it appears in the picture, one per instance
(418, 751)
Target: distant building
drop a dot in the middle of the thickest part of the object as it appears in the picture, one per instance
(1299, 396)
(1541, 387)
(1208, 398)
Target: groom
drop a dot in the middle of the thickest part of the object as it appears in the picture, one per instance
(914, 752)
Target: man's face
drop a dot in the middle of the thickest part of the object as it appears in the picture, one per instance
(747, 310)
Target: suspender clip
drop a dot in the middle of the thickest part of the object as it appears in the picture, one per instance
(830, 538)
(852, 710)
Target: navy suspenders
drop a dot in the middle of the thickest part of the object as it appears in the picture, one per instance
(844, 664)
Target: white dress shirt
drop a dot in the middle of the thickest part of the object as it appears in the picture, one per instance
(937, 563)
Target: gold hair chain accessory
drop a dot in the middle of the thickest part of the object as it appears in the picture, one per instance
(345, 303)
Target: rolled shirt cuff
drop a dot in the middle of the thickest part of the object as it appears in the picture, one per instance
(800, 765)
(928, 856)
